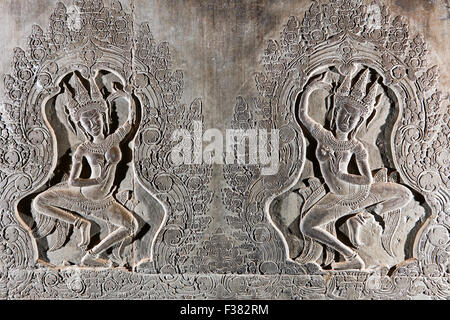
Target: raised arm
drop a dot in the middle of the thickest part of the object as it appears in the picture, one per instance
(306, 120)
(128, 125)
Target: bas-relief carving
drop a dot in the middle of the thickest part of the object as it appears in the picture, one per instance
(77, 199)
(362, 186)
(345, 194)
(90, 148)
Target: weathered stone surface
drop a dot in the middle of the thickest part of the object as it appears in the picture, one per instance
(347, 96)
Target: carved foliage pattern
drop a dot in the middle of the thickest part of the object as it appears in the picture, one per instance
(89, 29)
(90, 36)
(342, 32)
(183, 188)
(75, 284)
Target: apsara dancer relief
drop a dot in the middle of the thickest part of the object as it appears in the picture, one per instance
(77, 200)
(347, 194)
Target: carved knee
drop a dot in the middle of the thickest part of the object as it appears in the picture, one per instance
(306, 224)
(408, 195)
(132, 226)
(405, 194)
(40, 203)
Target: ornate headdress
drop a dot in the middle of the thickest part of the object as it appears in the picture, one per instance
(356, 95)
(82, 100)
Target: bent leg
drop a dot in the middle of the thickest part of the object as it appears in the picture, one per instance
(120, 216)
(49, 204)
(55, 203)
(388, 197)
(127, 225)
(312, 222)
(354, 225)
(312, 226)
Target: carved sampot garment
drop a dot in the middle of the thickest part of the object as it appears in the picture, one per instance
(92, 205)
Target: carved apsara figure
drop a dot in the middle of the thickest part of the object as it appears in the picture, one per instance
(348, 194)
(76, 200)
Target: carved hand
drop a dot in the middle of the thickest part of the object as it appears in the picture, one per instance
(334, 165)
(132, 112)
(103, 175)
(322, 83)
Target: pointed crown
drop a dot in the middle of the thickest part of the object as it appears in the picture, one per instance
(82, 100)
(356, 95)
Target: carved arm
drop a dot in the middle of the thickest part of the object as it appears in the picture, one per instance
(354, 178)
(362, 161)
(127, 126)
(74, 177)
(307, 121)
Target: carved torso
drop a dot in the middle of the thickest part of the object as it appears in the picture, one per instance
(99, 157)
(331, 151)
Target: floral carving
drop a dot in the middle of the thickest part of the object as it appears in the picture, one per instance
(99, 34)
(344, 30)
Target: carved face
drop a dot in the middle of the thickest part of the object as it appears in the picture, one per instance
(347, 118)
(92, 122)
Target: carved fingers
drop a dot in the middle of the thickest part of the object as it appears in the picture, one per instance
(103, 174)
(335, 169)
(127, 95)
(334, 165)
(132, 112)
(116, 95)
(324, 82)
